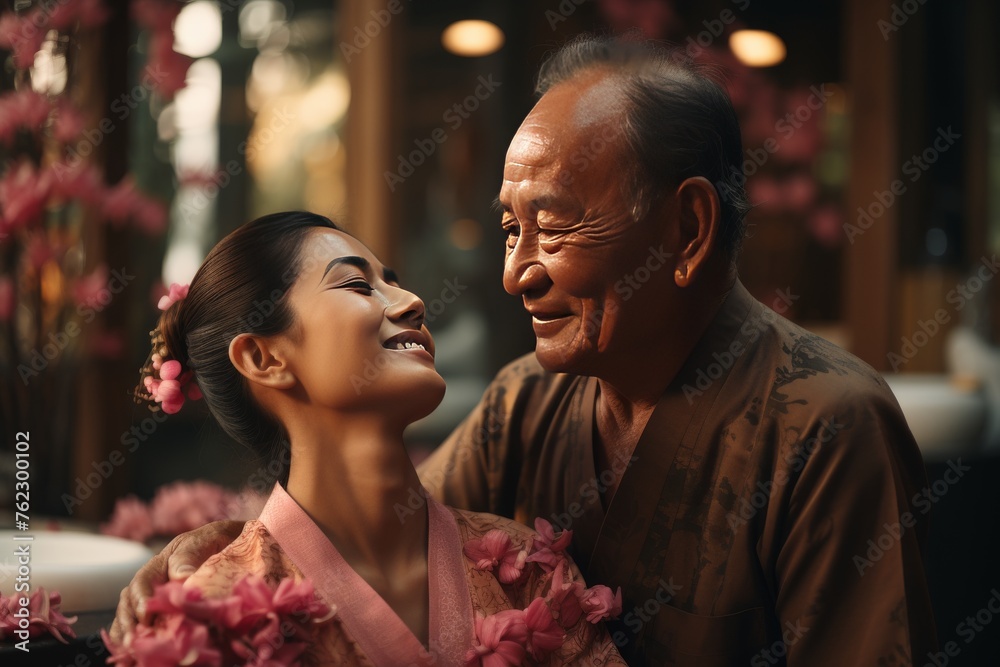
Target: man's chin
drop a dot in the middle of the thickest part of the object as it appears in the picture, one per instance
(558, 358)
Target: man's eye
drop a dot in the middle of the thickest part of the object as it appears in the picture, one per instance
(513, 231)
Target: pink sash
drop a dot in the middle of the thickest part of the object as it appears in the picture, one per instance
(376, 628)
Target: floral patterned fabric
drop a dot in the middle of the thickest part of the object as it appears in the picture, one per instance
(501, 594)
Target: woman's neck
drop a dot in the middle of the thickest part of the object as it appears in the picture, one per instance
(358, 484)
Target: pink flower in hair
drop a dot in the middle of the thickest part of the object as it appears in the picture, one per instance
(495, 550)
(175, 294)
(599, 603)
(500, 640)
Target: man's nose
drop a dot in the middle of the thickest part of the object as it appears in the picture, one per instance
(522, 272)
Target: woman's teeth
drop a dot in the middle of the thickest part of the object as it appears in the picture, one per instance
(409, 346)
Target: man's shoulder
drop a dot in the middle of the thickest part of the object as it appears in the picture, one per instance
(807, 367)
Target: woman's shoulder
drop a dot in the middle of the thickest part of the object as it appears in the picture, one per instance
(254, 552)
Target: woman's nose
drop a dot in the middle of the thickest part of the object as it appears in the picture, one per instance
(405, 305)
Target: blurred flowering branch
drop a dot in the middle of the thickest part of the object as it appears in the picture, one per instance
(52, 192)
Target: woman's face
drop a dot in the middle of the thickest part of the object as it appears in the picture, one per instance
(358, 341)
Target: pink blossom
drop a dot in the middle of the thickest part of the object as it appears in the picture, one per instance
(8, 298)
(23, 196)
(544, 633)
(546, 550)
(78, 181)
(500, 640)
(68, 123)
(495, 549)
(124, 202)
(165, 68)
(564, 597)
(130, 520)
(155, 15)
(599, 603)
(91, 290)
(826, 225)
(176, 640)
(38, 250)
(177, 292)
(89, 13)
(184, 506)
(254, 625)
(23, 36)
(22, 110)
(44, 617)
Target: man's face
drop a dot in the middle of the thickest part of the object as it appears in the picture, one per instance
(587, 272)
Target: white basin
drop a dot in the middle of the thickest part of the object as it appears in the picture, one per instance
(89, 571)
(947, 417)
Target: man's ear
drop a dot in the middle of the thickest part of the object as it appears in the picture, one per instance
(259, 360)
(699, 215)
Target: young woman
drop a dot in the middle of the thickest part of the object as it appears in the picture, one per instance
(280, 331)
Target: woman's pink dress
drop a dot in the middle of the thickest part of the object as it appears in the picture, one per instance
(285, 542)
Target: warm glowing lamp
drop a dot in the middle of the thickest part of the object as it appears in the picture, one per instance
(757, 48)
(472, 38)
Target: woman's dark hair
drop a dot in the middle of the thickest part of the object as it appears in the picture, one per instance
(240, 288)
(678, 122)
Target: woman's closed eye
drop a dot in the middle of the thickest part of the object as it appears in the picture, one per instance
(358, 284)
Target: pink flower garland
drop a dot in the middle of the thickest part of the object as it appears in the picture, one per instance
(254, 625)
(505, 638)
(44, 617)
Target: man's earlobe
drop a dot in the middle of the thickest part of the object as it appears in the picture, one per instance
(256, 358)
(699, 214)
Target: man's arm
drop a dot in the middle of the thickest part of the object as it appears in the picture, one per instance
(178, 560)
(851, 586)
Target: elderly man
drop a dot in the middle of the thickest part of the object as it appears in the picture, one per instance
(748, 485)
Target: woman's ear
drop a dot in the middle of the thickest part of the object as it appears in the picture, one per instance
(699, 214)
(258, 360)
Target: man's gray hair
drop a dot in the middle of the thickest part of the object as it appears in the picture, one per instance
(678, 122)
